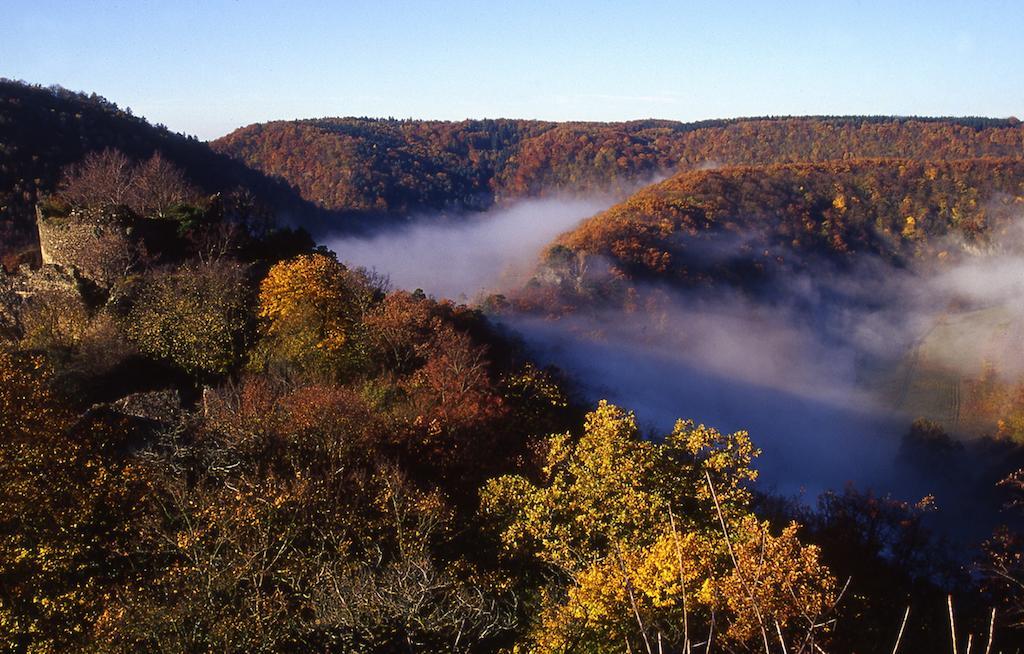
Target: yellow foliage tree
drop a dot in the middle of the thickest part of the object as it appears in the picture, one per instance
(655, 540)
(310, 309)
(596, 491)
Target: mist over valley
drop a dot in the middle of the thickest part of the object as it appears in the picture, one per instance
(812, 363)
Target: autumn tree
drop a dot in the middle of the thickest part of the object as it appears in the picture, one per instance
(536, 397)
(53, 320)
(454, 376)
(68, 507)
(109, 178)
(885, 548)
(102, 178)
(157, 186)
(311, 310)
(278, 525)
(651, 540)
(1003, 564)
(399, 328)
(407, 598)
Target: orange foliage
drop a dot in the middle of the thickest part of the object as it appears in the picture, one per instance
(390, 166)
(726, 223)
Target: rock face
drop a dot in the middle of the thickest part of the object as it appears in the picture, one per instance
(97, 243)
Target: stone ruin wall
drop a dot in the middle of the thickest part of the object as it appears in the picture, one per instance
(97, 245)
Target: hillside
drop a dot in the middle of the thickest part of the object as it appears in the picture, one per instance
(375, 167)
(709, 225)
(372, 165)
(42, 130)
(383, 166)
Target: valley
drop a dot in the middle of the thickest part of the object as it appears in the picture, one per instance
(351, 384)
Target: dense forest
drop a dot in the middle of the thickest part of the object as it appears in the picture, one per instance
(217, 436)
(383, 166)
(754, 217)
(332, 171)
(398, 166)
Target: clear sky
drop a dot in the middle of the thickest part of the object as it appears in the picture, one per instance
(207, 67)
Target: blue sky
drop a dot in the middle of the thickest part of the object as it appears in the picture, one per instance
(206, 68)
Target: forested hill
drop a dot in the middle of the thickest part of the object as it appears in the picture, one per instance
(384, 166)
(397, 166)
(358, 166)
(44, 129)
(737, 223)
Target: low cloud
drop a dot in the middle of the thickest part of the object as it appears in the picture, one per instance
(470, 255)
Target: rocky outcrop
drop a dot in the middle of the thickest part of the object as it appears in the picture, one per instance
(51, 284)
(157, 406)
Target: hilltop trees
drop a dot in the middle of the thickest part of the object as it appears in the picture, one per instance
(382, 166)
(397, 167)
(741, 224)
